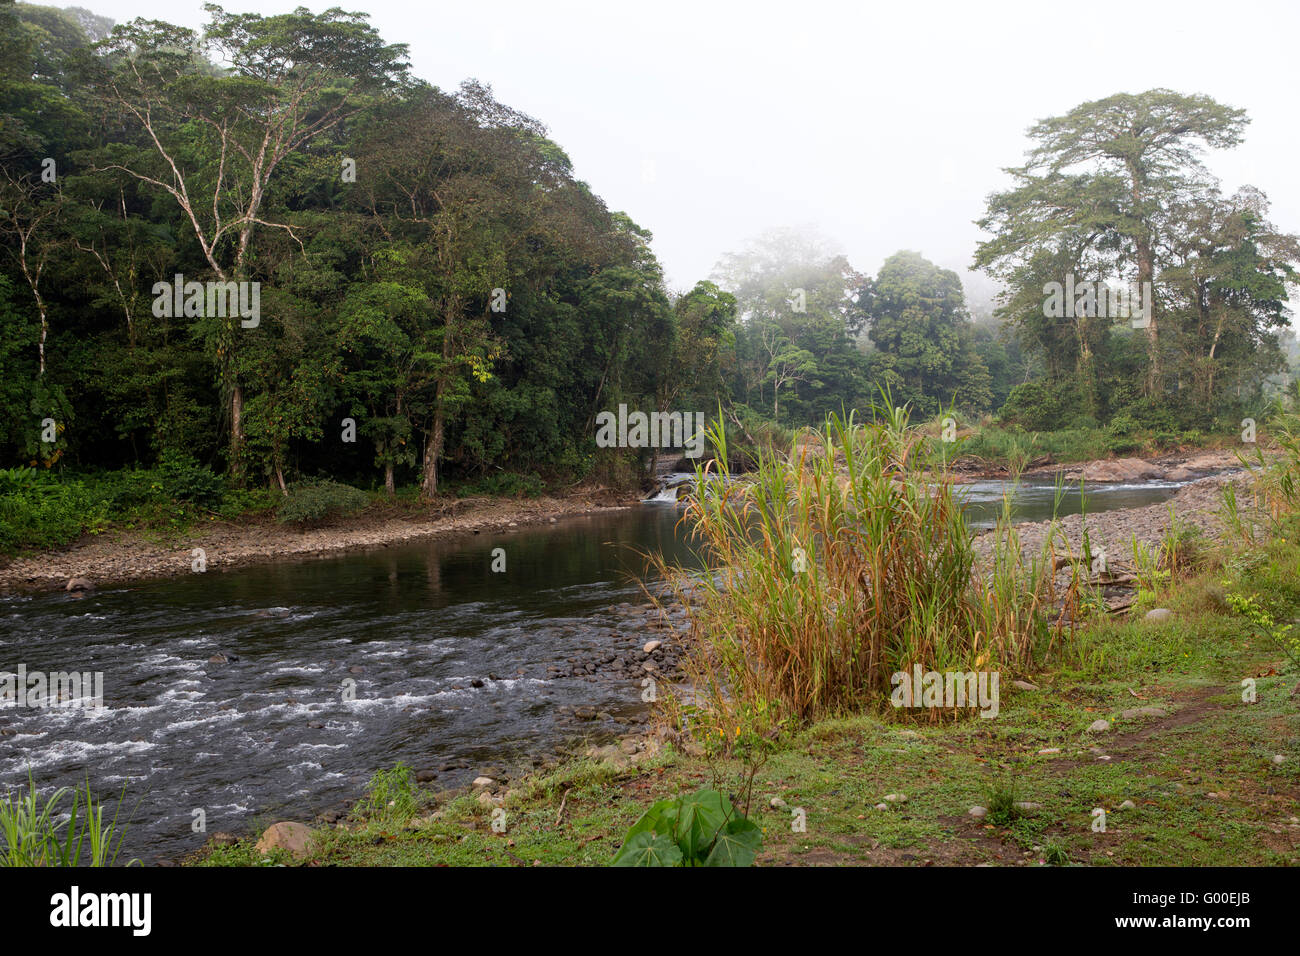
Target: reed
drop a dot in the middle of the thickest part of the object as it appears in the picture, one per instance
(841, 563)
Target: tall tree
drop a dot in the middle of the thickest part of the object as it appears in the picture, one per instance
(214, 139)
(1101, 180)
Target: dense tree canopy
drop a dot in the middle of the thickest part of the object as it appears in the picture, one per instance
(420, 287)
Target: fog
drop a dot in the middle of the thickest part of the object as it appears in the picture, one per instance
(880, 126)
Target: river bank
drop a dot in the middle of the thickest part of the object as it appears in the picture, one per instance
(121, 557)
(1149, 727)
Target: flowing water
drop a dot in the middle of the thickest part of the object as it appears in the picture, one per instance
(416, 627)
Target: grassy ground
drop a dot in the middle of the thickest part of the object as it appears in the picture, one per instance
(1202, 778)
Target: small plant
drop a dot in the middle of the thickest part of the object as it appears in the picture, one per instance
(1001, 798)
(696, 829)
(1054, 855)
(390, 795)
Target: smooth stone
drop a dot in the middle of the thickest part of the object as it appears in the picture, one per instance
(776, 803)
(484, 782)
(1099, 726)
(294, 837)
(1159, 614)
(1278, 759)
(978, 812)
(1128, 805)
(1024, 685)
(896, 797)
(79, 584)
(1028, 805)
(652, 646)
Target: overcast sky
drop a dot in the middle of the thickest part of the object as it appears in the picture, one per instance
(881, 125)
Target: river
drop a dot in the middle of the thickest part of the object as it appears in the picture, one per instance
(416, 627)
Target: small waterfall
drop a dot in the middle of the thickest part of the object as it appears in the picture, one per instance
(667, 493)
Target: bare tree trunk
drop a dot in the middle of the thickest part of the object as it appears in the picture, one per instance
(433, 451)
(236, 429)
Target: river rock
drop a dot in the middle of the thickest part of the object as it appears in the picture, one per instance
(484, 782)
(79, 584)
(652, 646)
(297, 838)
(1121, 470)
(1158, 614)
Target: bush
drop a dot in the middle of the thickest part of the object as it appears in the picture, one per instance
(38, 511)
(312, 501)
(184, 479)
(508, 484)
(1041, 406)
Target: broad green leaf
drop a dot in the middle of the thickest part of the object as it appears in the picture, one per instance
(649, 849)
(658, 819)
(737, 845)
(701, 815)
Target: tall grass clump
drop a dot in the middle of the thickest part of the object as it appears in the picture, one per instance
(1275, 489)
(836, 566)
(35, 832)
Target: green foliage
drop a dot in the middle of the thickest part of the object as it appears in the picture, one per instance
(184, 479)
(34, 834)
(1001, 797)
(391, 795)
(309, 502)
(506, 485)
(695, 829)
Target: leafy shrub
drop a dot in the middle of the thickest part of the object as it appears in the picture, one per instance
(316, 500)
(1041, 406)
(508, 484)
(184, 479)
(47, 512)
(696, 829)
(1123, 425)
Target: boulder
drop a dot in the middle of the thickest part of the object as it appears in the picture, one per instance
(1120, 470)
(297, 838)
